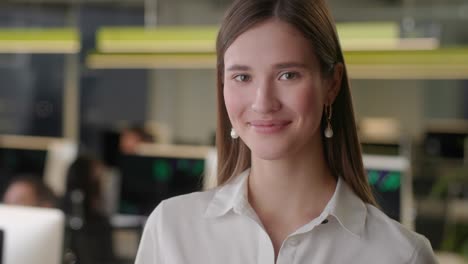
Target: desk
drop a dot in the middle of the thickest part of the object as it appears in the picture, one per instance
(128, 221)
(126, 234)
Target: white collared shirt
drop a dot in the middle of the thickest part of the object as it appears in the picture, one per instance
(220, 227)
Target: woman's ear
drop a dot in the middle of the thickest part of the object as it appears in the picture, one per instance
(334, 83)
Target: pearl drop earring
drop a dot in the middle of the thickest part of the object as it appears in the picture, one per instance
(234, 134)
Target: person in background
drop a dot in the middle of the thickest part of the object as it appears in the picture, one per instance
(89, 233)
(133, 136)
(29, 191)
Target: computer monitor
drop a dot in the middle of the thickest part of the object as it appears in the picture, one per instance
(445, 144)
(389, 177)
(31, 235)
(446, 139)
(381, 148)
(149, 177)
(46, 158)
(17, 161)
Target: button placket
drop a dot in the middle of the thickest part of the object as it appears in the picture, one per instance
(266, 252)
(288, 250)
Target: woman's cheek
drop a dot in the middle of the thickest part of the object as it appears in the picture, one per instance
(232, 102)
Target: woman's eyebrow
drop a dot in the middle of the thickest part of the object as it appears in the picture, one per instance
(237, 67)
(285, 65)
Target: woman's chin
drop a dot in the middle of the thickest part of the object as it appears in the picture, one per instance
(269, 154)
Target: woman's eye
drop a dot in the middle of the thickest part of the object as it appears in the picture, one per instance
(288, 76)
(242, 78)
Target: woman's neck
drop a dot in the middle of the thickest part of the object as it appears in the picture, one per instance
(297, 186)
(287, 194)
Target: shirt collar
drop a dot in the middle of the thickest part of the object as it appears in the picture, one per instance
(229, 196)
(345, 205)
(348, 208)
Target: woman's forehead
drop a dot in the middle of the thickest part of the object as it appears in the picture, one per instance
(270, 42)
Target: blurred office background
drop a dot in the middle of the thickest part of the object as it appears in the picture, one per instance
(76, 75)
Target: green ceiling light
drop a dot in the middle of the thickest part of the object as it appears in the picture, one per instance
(39, 40)
(151, 61)
(368, 30)
(389, 44)
(202, 39)
(446, 63)
(379, 36)
(164, 39)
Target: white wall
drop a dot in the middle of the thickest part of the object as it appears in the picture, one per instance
(403, 100)
(185, 100)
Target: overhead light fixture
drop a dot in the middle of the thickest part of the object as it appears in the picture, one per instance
(177, 39)
(447, 63)
(389, 44)
(164, 39)
(151, 61)
(408, 72)
(39, 40)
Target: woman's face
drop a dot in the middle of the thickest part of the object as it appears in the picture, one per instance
(273, 90)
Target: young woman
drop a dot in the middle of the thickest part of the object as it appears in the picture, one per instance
(292, 185)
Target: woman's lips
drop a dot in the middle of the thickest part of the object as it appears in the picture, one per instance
(268, 126)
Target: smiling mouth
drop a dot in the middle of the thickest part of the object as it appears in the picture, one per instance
(268, 127)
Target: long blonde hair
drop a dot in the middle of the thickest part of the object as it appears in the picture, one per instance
(313, 19)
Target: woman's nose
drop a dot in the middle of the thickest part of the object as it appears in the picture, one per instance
(266, 100)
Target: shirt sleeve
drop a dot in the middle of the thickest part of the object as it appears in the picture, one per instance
(149, 251)
(423, 253)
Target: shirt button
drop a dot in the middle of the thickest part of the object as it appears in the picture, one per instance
(293, 242)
